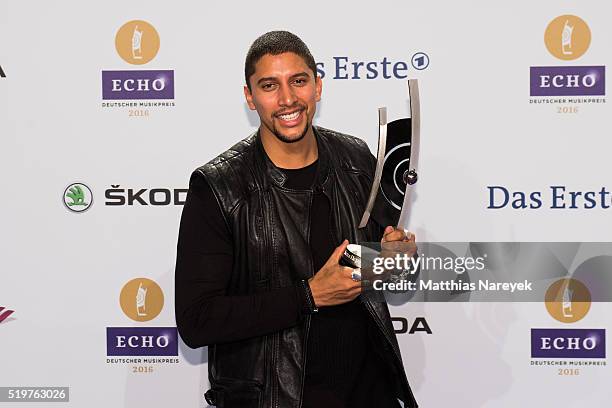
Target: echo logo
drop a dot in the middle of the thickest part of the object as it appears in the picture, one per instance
(568, 300)
(141, 299)
(567, 81)
(568, 343)
(153, 84)
(137, 42)
(141, 341)
(567, 37)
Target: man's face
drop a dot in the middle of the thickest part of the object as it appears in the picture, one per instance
(285, 92)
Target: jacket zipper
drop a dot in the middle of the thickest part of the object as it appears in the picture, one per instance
(308, 318)
(275, 337)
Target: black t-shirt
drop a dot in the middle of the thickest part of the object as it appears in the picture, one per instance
(342, 369)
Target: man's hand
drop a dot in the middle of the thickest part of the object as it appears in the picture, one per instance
(392, 234)
(332, 284)
(397, 241)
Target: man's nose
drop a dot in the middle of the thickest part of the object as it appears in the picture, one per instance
(286, 95)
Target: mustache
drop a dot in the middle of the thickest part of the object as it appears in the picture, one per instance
(292, 108)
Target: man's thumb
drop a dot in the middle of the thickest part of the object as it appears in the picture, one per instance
(337, 254)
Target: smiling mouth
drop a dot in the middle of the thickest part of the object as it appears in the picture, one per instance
(288, 117)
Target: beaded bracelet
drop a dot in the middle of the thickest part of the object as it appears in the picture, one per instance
(311, 307)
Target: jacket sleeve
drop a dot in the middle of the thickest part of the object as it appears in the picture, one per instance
(204, 313)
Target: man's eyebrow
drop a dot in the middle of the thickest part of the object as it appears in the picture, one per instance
(264, 79)
(299, 74)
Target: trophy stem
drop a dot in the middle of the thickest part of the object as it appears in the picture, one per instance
(415, 145)
(380, 159)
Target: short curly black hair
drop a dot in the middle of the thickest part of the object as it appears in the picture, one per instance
(275, 43)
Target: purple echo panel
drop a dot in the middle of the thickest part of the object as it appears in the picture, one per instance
(141, 341)
(567, 81)
(121, 85)
(568, 343)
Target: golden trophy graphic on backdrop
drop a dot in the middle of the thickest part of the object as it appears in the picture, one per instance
(137, 44)
(141, 297)
(566, 39)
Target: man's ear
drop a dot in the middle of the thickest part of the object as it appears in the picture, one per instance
(249, 98)
(318, 87)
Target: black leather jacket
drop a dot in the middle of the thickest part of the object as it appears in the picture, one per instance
(270, 228)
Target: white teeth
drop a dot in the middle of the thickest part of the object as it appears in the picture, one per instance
(292, 116)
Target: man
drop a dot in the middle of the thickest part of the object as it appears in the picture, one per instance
(258, 278)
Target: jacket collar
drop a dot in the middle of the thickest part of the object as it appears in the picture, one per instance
(277, 176)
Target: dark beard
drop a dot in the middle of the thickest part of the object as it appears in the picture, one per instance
(284, 139)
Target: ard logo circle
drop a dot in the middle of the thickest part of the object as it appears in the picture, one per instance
(567, 37)
(141, 299)
(137, 42)
(568, 300)
(78, 197)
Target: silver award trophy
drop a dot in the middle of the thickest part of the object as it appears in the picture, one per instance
(396, 165)
(394, 178)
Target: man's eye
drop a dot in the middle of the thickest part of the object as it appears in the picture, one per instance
(299, 81)
(267, 87)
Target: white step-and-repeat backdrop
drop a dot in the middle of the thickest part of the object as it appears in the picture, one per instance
(107, 107)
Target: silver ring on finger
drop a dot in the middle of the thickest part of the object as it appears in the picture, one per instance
(408, 234)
